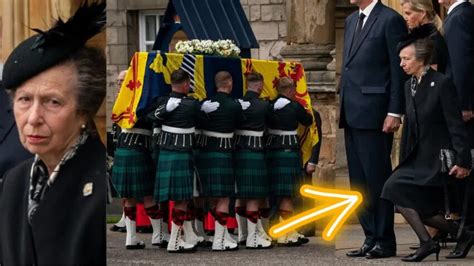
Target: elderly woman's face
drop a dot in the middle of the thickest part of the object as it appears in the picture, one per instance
(45, 112)
(413, 18)
(410, 64)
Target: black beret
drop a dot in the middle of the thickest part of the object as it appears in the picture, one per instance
(48, 48)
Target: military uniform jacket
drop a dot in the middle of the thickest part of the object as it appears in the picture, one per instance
(178, 125)
(253, 119)
(287, 119)
(68, 227)
(137, 138)
(224, 120)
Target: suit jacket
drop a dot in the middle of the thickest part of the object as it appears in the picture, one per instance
(459, 37)
(68, 227)
(11, 150)
(372, 80)
(434, 120)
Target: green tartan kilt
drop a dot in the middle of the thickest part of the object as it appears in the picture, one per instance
(174, 176)
(251, 175)
(285, 170)
(155, 154)
(217, 174)
(132, 173)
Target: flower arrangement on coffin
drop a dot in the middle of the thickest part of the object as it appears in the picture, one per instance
(225, 48)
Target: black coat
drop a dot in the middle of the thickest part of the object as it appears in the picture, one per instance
(440, 54)
(435, 122)
(68, 227)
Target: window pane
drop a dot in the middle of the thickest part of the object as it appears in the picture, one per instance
(149, 47)
(150, 28)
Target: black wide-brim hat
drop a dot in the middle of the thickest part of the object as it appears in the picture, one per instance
(48, 48)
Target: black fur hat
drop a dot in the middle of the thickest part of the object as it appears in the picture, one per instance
(48, 48)
(421, 32)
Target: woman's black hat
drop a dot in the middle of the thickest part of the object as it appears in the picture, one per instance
(48, 48)
(420, 32)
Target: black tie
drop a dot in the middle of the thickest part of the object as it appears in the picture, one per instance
(360, 23)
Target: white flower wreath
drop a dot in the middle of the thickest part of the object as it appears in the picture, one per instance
(225, 48)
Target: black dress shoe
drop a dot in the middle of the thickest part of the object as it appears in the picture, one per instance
(359, 252)
(378, 253)
(115, 228)
(424, 251)
(463, 246)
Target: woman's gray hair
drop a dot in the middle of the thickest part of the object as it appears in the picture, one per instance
(423, 50)
(91, 77)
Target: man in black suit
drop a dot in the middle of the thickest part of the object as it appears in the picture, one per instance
(459, 36)
(371, 96)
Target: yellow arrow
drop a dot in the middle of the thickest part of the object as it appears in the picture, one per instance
(348, 201)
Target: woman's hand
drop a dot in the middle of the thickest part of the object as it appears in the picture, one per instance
(459, 172)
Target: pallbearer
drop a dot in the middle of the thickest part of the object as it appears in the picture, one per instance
(217, 173)
(250, 167)
(175, 169)
(283, 151)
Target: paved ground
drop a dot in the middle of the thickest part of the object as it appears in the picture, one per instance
(317, 252)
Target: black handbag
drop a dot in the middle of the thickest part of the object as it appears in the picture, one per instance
(447, 158)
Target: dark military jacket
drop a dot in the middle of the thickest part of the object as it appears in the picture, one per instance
(224, 120)
(287, 119)
(139, 142)
(254, 118)
(185, 116)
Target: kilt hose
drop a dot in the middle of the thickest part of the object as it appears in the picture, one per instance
(217, 174)
(251, 175)
(132, 173)
(174, 176)
(285, 172)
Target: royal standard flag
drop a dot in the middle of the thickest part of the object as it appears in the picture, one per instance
(149, 78)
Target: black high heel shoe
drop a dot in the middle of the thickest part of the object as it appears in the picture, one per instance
(463, 246)
(440, 237)
(424, 251)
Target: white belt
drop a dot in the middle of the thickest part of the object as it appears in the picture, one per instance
(282, 132)
(156, 130)
(177, 130)
(198, 131)
(218, 134)
(140, 131)
(250, 133)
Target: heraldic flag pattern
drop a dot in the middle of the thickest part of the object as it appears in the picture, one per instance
(148, 78)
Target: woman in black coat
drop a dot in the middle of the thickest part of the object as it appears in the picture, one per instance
(420, 16)
(435, 122)
(53, 206)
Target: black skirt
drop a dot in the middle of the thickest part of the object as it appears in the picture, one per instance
(402, 190)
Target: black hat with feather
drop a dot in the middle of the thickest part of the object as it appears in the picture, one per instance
(48, 48)
(421, 32)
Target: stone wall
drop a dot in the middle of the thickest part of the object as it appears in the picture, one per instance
(268, 21)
